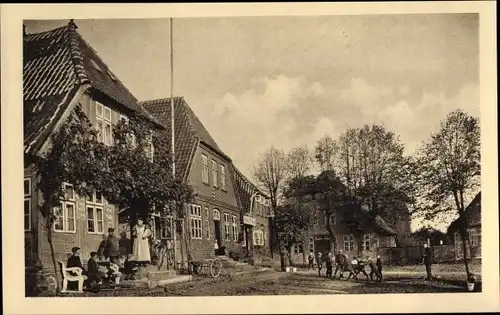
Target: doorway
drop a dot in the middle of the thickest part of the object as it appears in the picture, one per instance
(217, 237)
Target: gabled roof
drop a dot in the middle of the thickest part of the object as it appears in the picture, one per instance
(189, 130)
(241, 185)
(472, 212)
(56, 64)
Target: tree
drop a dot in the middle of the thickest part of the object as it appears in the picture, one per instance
(435, 236)
(299, 162)
(123, 173)
(326, 152)
(293, 220)
(448, 169)
(270, 173)
(372, 164)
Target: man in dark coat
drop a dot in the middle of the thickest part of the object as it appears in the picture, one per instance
(74, 260)
(340, 260)
(329, 265)
(379, 267)
(319, 261)
(112, 246)
(427, 259)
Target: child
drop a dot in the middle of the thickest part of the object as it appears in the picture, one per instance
(329, 265)
(311, 261)
(94, 275)
(350, 265)
(115, 272)
(129, 267)
(340, 260)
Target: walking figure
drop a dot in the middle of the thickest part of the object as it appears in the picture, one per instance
(329, 265)
(319, 261)
(374, 269)
(350, 265)
(311, 261)
(379, 267)
(340, 260)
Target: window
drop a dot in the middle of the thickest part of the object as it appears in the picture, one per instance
(473, 238)
(297, 249)
(234, 227)
(27, 204)
(348, 243)
(226, 227)
(104, 126)
(95, 214)
(195, 220)
(258, 237)
(214, 173)
(204, 169)
(150, 149)
(222, 177)
(366, 242)
(333, 219)
(65, 213)
(132, 140)
(207, 225)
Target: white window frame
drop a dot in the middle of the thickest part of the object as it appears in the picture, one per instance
(64, 209)
(150, 149)
(27, 201)
(227, 230)
(195, 221)
(204, 168)
(105, 122)
(258, 237)
(348, 243)
(367, 242)
(207, 223)
(96, 206)
(215, 173)
(222, 177)
(234, 228)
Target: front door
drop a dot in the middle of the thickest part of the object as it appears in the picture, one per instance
(217, 234)
(322, 246)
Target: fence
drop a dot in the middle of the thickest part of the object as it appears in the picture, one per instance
(411, 255)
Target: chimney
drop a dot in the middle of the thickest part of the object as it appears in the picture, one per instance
(72, 24)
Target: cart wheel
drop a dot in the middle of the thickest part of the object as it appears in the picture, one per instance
(215, 267)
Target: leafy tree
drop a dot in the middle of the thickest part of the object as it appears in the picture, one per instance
(299, 162)
(123, 173)
(326, 152)
(293, 220)
(448, 170)
(270, 172)
(435, 236)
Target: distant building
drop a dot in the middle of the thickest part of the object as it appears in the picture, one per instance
(378, 235)
(473, 215)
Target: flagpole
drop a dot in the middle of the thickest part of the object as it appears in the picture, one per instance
(172, 127)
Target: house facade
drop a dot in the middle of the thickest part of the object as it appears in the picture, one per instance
(61, 72)
(473, 215)
(215, 220)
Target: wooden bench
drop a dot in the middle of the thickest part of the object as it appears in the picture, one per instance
(69, 277)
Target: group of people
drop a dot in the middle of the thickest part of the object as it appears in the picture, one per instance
(106, 265)
(343, 264)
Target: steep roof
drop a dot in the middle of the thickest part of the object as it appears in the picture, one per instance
(241, 185)
(472, 212)
(55, 64)
(189, 130)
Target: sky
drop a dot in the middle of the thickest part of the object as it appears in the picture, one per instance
(288, 81)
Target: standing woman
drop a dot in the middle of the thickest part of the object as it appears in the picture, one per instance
(141, 234)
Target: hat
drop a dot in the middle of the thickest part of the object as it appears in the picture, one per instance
(111, 230)
(75, 249)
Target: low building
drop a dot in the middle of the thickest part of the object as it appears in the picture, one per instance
(473, 215)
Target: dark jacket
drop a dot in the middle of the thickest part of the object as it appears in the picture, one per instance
(92, 266)
(373, 266)
(112, 247)
(329, 262)
(427, 255)
(379, 263)
(74, 261)
(340, 259)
